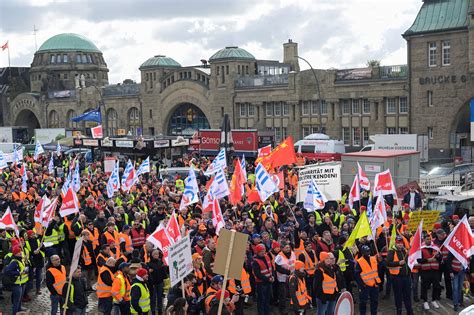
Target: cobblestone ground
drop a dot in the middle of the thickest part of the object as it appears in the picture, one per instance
(41, 305)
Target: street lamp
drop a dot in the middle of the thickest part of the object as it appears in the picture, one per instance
(318, 91)
(227, 142)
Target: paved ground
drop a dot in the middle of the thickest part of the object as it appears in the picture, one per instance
(41, 305)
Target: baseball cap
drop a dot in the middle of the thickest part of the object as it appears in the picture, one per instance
(217, 279)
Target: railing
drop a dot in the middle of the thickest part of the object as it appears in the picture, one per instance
(375, 73)
(257, 81)
(400, 71)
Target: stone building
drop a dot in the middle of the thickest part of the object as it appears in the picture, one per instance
(428, 96)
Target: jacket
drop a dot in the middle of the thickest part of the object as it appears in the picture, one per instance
(77, 296)
(406, 199)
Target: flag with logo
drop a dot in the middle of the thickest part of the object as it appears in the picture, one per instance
(415, 250)
(283, 154)
(97, 132)
(3, 161)
(7, 221)
(58, 148)
(315, 199)
(354, 193)
(128, 177)
(219, 187)
(69, 203)
(113, 184)
(263, 152)
(379, 214)
(160, 239)
(51, 165)
(38, 150)
(172, 229)
(460, 242)
(218, 163)
(207, 202)
(361, 229)
(383, 182)
(17, 155)
(236, 184)
(265, 185)
(76, 179)
(144, 167)
(217, 218)
(364, 182)
(48, 212)
(191, 190)
(24, 179)
(66, 184)
(42, 204)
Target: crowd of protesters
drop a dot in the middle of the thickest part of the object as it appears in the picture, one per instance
(295, 262)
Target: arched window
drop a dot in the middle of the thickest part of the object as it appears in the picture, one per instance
(53, 119)
(133, 120)
(187, 119)
(71, 124)
(112, 122)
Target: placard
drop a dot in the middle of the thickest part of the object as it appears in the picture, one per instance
(237, 257)
(180, 260)
(109, 164)
(430, 217)
(328, 179)
(124, 143)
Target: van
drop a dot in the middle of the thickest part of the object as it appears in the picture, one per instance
(320, 147)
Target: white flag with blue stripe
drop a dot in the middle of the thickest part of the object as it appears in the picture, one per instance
(243, 165)
(127, 171)
(67, 183)
(58, 149)
(17, 154)
(38, 150)
(191, 190)
(219, 162)
(219, 187)
(76, 178)
(51, 164)
(144, 167)
(265, 185)
(23, 182)
(315, 199)
(113, 183)
(3, 161)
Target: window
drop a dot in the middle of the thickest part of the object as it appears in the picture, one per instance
(365, 136)
(246, 69)
(430, 98)
(446, 53)
(226, 69)
(251, 110)
(218, 70)
(391, 105)
(315, 130)
(324, 108)
(243, 110)
(430, 133)
(286, 109)
(151, 113)
(306, 131)
(89, 59)
(112, 122)
(238, 69)
(65, 58)
(403, 105)
(284, 133)
(278, 135)
(391, 130)
(403, 130)
(71, 124)
(346, 136)
(147, 75)
(365, 106)
(269, 109)
(432, 54)
(59, 58)
(346, 107)
(222, 76)
(65, 76)
(133, 120)
(315, 107)
(53, 58)
(53, 119)
(277, 109)
(154, 76)
(356, 136)
(78, 58)
(84, 58)
(151, 131)
(305, 108)
(356, 106)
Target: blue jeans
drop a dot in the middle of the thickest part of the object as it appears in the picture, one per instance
(56, 303)
(34, 274)
(17, 294)
(458, 281)
(366, 293)
(264, 294)
(156, 301)
(326, 308)
(416, 280)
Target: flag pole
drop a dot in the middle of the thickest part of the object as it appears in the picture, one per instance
(9, 65)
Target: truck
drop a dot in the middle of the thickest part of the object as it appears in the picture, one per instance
(321, 147)
(410, 142)
(48, 135)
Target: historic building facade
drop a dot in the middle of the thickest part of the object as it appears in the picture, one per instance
(428, 96)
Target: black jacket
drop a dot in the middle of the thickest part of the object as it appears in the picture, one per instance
(135, 295)
(401, 255)
(50, 280)
(79, 295)
(157, 272)
(406, 199)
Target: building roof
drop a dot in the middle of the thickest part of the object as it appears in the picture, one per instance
(381, 153)
(68, 42)
(160, 61)
(440, 15)
(232, 52)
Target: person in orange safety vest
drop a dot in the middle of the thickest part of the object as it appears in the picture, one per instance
(299, 297)
(367, 278)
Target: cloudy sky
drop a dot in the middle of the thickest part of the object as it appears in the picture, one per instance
(330, 33)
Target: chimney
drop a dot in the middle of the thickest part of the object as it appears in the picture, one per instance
(290, 53)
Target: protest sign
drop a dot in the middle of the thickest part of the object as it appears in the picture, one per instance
(430, 217)
(327, 177)
(180, 260)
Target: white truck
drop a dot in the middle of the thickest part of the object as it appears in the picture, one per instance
(411, 142)
(48, 135)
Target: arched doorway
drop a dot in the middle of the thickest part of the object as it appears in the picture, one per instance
(461, 134)
(186, 119)
(26, 118)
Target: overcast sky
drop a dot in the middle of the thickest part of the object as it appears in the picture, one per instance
(330, 33)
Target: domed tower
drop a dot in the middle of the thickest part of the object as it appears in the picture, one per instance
(229, 63)
(66, 61)
(156, 68)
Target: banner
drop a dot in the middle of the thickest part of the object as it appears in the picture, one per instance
(327, 177)
(180, 260)
(430, 217)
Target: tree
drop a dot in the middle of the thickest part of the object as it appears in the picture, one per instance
(372, 63)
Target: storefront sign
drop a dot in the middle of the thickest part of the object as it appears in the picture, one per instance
(373, 168)
(161, 144)
(77, 142)
(180, 142)
(124, 143)
(90, 142)
(244, 140)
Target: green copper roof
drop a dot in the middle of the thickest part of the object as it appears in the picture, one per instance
(68, 42)
(232, 52)
(440, 15)
(160, 61)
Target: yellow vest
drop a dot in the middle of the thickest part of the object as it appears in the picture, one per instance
(144, 301)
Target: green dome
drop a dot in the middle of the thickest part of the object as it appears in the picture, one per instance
(232, 52)
(68, 42)
(160, 61)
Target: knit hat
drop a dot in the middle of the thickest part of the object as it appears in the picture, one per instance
(16, 250)
(260, 248)
(142, 272)
(437, 226)
(275, 245)
(299, 265)
(196, 256)
(455, 217)
(363, 208)
(323, 256)
(30, 233)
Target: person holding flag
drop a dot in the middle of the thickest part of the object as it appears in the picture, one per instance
(429, 264)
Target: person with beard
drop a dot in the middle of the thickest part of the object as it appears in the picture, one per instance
(300, 299)
(325, 244)
(366, 275)
(327, 284)
(284, 265)
(200, 245)
(104, 286)
(308, 257)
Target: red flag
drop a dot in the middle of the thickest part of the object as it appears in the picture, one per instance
(42, 204)
(69, 204)
(5, 46)
(8, 221)
(207, 203)
(160, 239)
(97, 132)
(364, 182)
(460, 242)
(48, 212)
(262, 152)
(415, 250)
(217, 218)
(283, 154)
(172, 228)
(354, 193)
(383, 182)
(236, 184)
(253, 196)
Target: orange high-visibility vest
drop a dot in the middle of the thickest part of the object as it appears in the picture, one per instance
(369, 273)
(59, 278)
(301, 293)
(309, 264)
(244, 283)
(200, 275)
(121, 287)
(394, 270)
(128, 242)
(329, 283)
(86, 256)
(300, 249)
(103, 290)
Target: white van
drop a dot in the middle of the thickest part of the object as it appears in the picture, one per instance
(318, 146)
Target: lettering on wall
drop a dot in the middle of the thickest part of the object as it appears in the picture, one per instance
(443, 79)
(24, 104)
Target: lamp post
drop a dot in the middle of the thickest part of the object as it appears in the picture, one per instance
(318, 91)
(226, 142)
